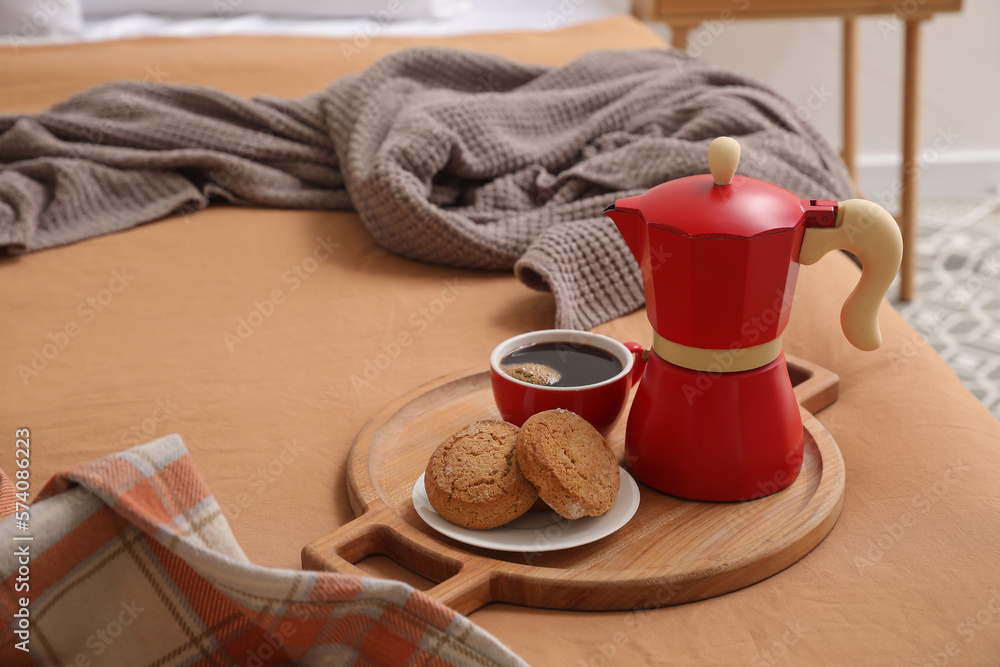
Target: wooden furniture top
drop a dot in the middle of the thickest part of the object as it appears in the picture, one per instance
(696, 11)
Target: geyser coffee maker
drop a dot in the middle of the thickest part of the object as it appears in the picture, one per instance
(714, 417)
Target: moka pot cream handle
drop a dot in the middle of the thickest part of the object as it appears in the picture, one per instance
(870, 232)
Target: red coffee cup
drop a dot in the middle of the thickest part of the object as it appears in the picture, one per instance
(600, 403)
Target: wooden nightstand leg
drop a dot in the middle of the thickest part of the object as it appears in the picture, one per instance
(911, 164)
(642, 9)
(849, 112)
(679, 35)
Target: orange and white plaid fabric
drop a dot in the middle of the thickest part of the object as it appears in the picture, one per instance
(132, 563)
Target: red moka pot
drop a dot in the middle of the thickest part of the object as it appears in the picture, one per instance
(714, 416)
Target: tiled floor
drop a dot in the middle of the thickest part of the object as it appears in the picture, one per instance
(957, 307)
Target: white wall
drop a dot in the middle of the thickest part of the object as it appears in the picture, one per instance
(960, 81)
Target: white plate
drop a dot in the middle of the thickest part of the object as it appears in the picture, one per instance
(536, 531)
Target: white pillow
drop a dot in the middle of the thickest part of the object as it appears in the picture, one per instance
(22, 20)
(384, 10)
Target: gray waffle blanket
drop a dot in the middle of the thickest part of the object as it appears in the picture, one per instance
(448, 157)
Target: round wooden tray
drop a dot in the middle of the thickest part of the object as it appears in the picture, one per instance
(672, 551)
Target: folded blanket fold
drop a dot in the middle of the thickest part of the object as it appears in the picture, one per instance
(449, 157)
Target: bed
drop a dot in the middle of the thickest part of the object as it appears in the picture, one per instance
(165, 341)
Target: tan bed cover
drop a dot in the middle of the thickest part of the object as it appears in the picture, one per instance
(146, 340)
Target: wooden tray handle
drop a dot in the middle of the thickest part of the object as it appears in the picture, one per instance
(815, 387)
(464, 580)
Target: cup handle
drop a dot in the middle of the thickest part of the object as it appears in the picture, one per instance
(639, 354)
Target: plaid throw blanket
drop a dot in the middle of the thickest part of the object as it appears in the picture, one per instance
(131, 562)
(449, 157)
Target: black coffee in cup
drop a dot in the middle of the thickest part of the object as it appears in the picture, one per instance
(576, 364)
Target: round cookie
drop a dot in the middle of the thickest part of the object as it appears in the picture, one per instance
(473, 478)
(569, 462)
